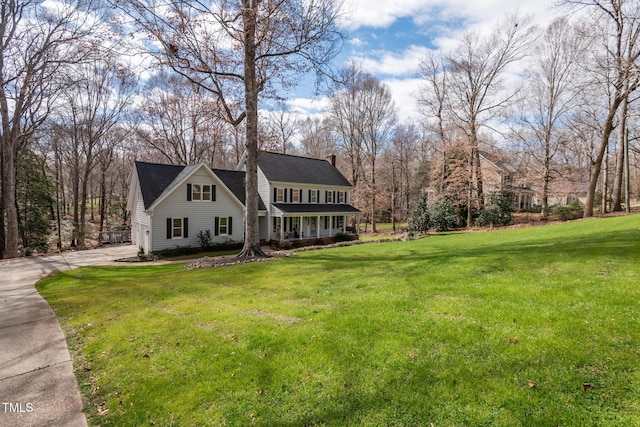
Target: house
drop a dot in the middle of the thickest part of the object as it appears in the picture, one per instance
(299, 198)
(307, 198)
(498, 174)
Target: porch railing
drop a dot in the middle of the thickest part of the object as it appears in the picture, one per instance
(115, 237)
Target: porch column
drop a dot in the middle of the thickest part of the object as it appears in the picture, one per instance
(330, 226)
(282, 225)
(318, 228)
(344, 223)
(301, 227)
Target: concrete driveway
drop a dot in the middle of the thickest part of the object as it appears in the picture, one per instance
(37, 385)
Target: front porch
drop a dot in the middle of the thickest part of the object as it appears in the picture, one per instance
(306, 227)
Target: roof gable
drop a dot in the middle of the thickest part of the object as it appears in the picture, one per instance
(499, 160)
(154, 178)
(234, 180)
(158, 180)
(279, 167)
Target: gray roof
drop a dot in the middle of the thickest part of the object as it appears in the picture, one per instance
(234, 180)
(305, 208)
(279, 167)
(499, 160)
(154, 178)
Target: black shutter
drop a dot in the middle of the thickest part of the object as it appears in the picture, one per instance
(213, 193)
(185, 227)
(334, 197)
(326, 222)
(188, 192)
(300, 196)
(275, 195)
(169, 228)
(309, 196)
(230, 222)
(216, 226)
(286, 193)
(326, 197)
(290, 195)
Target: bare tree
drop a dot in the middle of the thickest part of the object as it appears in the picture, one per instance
(615, 66)
(316, 139)
(94, 104)
(180, 121)
(551, 98)
(378, 118)
(344, 118)
(237, 49)
(283, 125)
(403, 148)
(475, 87)
(364, 116)
(37, 39)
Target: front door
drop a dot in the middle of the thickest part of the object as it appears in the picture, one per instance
(313, 227)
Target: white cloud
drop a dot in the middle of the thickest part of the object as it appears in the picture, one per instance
(405, 63)
(308, 107)
(383, 13)
(405, 92)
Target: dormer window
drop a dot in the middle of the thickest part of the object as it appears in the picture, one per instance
(201, 192)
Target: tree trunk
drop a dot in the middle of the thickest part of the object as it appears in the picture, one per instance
(9, 197)
(616, 205)
(374, 229)
(103, 197)
(597, 164)
(76, 201)
(252, 238)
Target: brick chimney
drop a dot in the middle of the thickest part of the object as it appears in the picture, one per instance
(332, 160)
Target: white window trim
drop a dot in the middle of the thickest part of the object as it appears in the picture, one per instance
(314, 196)
(341, 198)
(280, 195)
(295, 196)
(201, 192)
(226, 226)
(174, 228)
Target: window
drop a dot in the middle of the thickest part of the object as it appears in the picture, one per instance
(196, 194)
(223, 226)
(313, 196)
(279, 195)
(295, 196)
(177, 228)
(201, 192)
(206, 192)
(341, 195)
(222, 229)
(329, 196)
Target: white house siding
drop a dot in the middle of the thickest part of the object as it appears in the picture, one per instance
(264, 190)
(140, 223)
(201, 215)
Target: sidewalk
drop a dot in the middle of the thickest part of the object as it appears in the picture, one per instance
(37, 384)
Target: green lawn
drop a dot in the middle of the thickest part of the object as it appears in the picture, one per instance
(532, 327)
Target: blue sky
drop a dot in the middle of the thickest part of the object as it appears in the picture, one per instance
(390, 38)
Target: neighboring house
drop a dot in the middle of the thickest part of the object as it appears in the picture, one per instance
(498, 174)
(170, 205)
